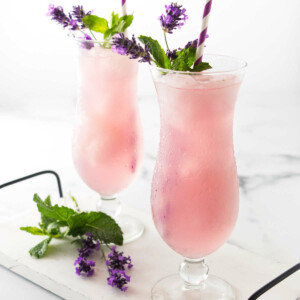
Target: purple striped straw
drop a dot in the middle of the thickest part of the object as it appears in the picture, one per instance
(124, 10)
(202, 37)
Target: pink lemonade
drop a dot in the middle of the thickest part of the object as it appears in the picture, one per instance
(195, 187)
(107, 144)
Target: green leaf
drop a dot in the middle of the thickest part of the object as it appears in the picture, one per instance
(202, 66)
(40, 249)
(157, 52)
(108, 34)
(53, 229)
(95, 23)
(114, 19)
(99, 224)
(119, 25)
(185, 59)
(126, 21)
(55, 213)
(33, 230)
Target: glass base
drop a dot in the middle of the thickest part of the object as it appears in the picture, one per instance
(173, 288)
(132, 227)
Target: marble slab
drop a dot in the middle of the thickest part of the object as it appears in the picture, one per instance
(152, 258)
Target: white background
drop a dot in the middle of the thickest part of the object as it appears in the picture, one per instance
(37, 64)
(38, 95)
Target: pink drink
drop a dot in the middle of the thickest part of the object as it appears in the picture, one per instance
(195, 187)
(107, 145)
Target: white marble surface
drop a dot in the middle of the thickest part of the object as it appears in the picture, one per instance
(55, 272)
(37, 136)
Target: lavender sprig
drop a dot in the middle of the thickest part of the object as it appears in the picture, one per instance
(85, 266)
(57, 14)
(116, 263)
(78, 13)
(172, 54)
(174, 19)
(125, 46)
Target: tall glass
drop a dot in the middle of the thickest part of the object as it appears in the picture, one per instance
(195, 187)
(107, 141)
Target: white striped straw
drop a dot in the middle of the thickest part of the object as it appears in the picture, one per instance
(124, 9)
(124, 13)
(202, 37)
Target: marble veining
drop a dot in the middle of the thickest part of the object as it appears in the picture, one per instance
(266, 136)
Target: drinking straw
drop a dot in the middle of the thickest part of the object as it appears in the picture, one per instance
(124, 10)
(202, 37)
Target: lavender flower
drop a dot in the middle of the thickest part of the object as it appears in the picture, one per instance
(85, 266)
(58, 15)
(125, 46)
(116, 263)
(78, 14)
(116, 260)
(174, 19)
(86, 45)
(192, 44)
(73, 20)
(118, 279)
(172, 55)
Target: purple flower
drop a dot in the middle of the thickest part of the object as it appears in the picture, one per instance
(125, 46)
(172, 55)
(50, 9)
(88, 46)
(119, 279)
(78, 14)
(58, 15)
(85, 266)
(174, 19)
(193, 44)
(73, 24)
(116, 263)
(73, 20)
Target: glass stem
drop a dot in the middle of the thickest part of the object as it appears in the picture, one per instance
(193, 272)
(110, 205)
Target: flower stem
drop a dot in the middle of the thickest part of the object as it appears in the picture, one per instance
(92, 34)
(166, 40)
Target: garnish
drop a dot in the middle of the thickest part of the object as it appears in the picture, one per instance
(92, 230)
(177, 59)
(87, 25)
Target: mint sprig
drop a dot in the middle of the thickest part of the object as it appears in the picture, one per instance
(61, 221)
(117, 24)
(159, 56)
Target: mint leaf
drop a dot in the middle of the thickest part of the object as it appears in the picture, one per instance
(33, 230)
(39, 250)
(53, 213)
(114, 19)
(157, 52)
(53, 229)
(184, 60)
(118, 25)
(99, 224)
(95, 23)
(202, 66)
(126, 20)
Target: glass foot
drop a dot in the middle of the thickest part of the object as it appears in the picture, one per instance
(173, 288)
(132, 227)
